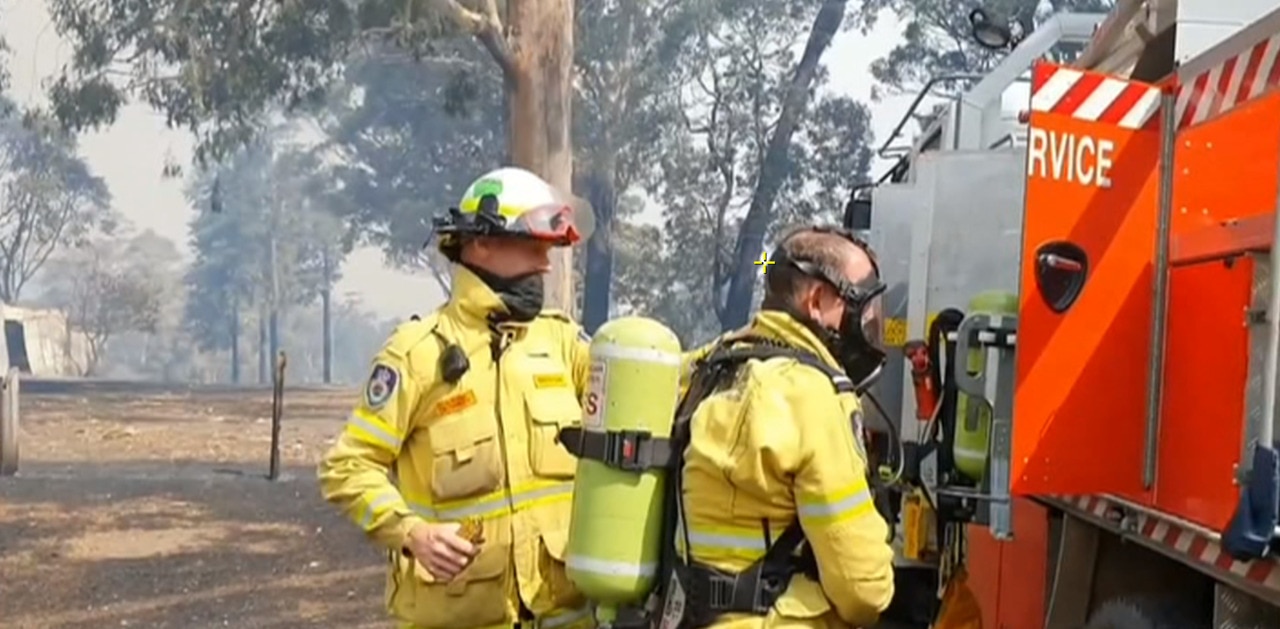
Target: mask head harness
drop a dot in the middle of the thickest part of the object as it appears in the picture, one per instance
(858, 344)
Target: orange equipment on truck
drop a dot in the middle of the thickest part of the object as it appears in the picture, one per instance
(1085, 304)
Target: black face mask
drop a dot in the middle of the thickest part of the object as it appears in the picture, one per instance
(859, 358)
(521, 295)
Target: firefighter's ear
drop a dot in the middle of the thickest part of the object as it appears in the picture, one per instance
(812, 299)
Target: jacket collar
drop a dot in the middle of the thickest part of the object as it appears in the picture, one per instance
(470, 298)
(781, 327)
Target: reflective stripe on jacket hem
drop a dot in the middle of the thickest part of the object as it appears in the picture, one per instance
(494, 504)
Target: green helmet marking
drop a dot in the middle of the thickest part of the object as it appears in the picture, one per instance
(486, 187)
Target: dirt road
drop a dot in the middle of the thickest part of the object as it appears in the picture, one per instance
(152, 510)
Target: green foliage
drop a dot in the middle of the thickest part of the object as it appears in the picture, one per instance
(397, 156)
(218, 69)
(142, 316)
(274, 242)
(735, 71)
(109, 286)
(213, 68)
(627, 60)
(937, 36)
(627, 57)
(219, 285)
(674, 105)
(48, 198)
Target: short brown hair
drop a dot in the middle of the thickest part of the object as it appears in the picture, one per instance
(823, 246)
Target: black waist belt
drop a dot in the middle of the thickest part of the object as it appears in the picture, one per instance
(711, 592)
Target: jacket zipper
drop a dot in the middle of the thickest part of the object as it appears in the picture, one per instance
(501, 342)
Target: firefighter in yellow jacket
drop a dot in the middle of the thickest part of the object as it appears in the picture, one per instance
(776, 523)
(461, 408)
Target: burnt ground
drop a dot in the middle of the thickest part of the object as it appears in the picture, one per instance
(152, 509)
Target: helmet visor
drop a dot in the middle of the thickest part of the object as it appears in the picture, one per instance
(553, 223)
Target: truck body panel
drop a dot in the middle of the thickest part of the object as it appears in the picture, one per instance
(1092, 180)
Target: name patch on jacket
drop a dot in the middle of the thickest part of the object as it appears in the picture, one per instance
(381, 385)
(549, 380)
(456, 403)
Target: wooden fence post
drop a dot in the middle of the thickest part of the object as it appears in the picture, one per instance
(277, 411)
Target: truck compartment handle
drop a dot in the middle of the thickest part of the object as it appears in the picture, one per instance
(1061, 270)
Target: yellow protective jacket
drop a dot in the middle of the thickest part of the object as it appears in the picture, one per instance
(484, 447)
(776, 446)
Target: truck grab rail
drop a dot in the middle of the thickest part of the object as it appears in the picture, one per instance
(884, 150)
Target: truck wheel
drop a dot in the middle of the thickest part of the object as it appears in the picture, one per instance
(1138, 613)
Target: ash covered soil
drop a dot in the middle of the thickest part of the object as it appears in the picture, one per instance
(152, 509)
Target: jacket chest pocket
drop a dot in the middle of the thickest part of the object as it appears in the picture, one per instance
(549, 411)
(465, 456)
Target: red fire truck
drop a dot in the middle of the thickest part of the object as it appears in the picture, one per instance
(1086, 327)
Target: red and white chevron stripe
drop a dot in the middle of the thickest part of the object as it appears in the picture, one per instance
(1095, 97)
(1183, 541)
(1229, 84)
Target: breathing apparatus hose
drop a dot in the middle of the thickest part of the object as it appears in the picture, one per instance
(893, 480)
(895, 440)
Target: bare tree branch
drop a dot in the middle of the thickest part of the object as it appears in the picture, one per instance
(486, 25)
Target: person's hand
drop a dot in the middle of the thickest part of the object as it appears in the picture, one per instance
(440, 550)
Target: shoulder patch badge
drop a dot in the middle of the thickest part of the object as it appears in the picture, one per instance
(382, 384)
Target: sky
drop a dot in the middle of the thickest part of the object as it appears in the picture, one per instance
(131, 154)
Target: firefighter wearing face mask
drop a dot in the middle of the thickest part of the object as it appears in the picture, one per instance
(770, 514)
(462, 408)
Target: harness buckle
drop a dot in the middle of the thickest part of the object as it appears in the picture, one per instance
(622, 449)
(720, 590)
(767, 592)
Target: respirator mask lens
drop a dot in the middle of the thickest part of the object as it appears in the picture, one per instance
(862, 335)
(873, 321)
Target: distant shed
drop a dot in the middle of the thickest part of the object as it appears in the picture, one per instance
(40, 342)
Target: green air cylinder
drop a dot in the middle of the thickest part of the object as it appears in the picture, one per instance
(615, 535)
(973, 420)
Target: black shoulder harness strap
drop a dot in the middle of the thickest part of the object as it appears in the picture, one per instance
(636, 451)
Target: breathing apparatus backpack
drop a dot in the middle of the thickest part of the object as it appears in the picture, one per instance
(690, 595)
